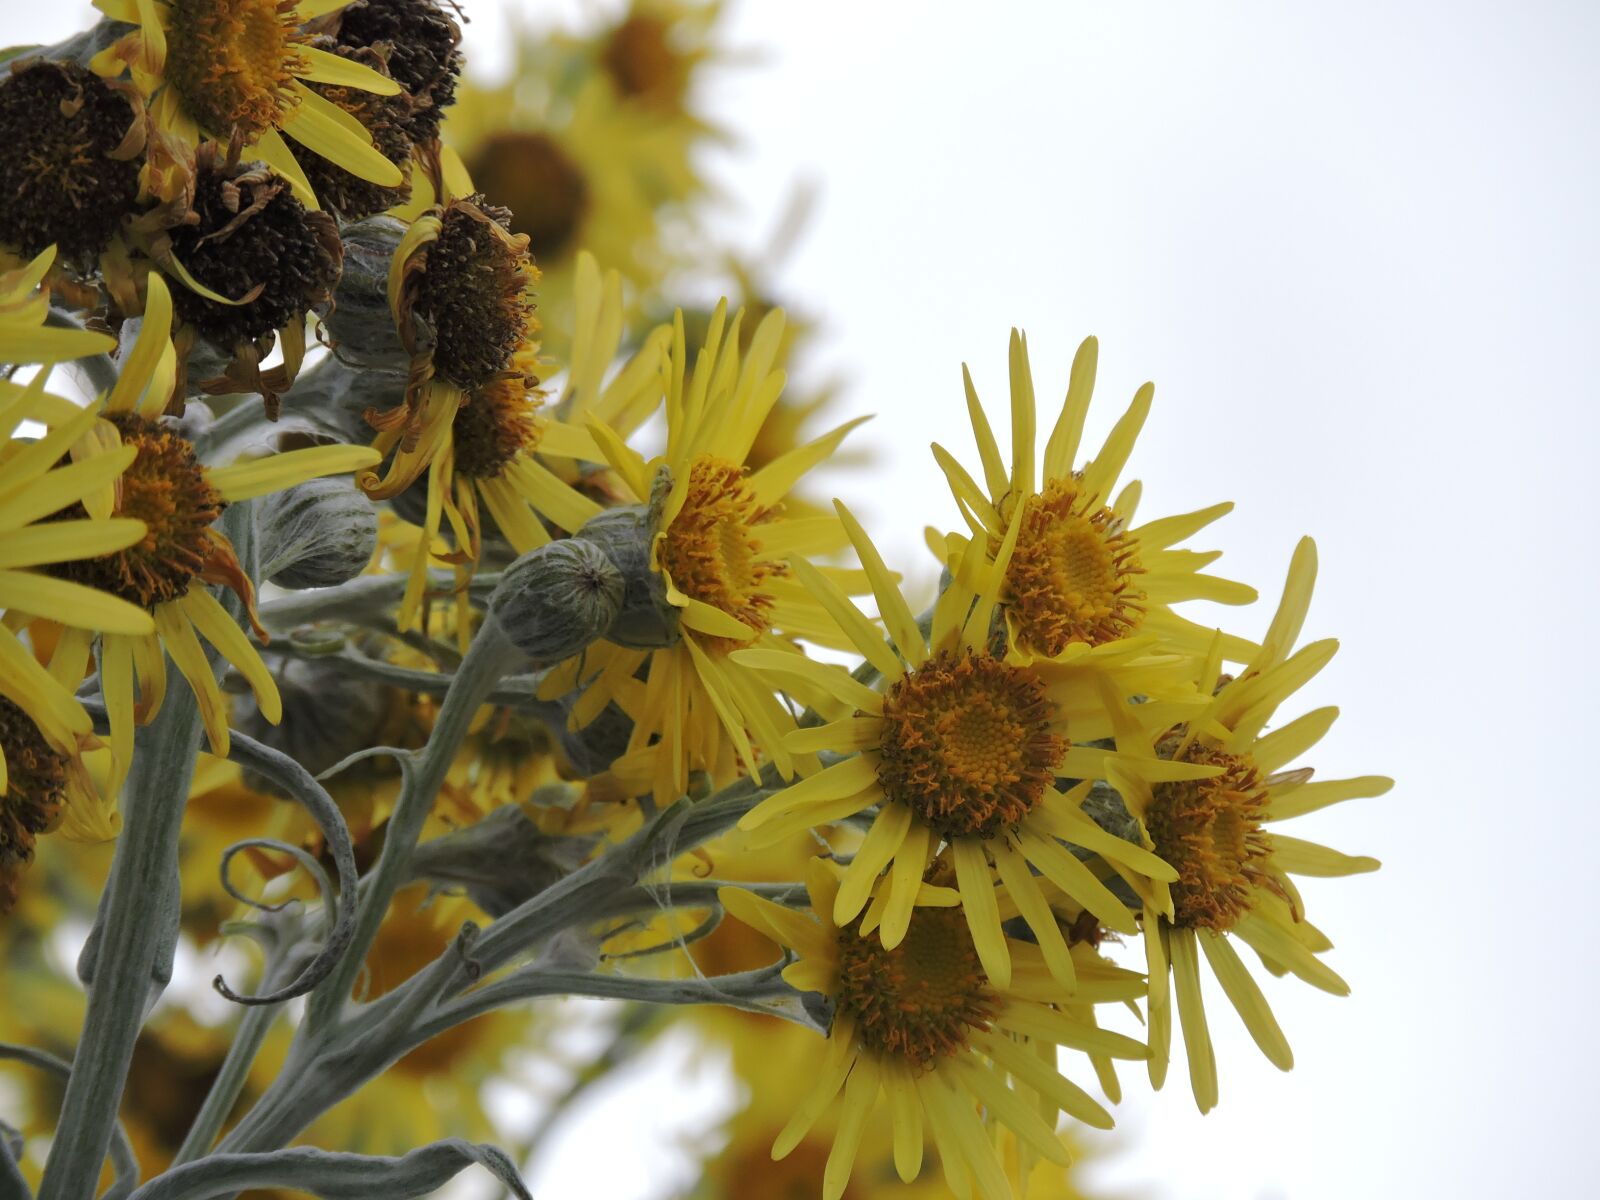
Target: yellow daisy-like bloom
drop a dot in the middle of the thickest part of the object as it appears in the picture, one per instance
(1233, 874)
(24, 305)
(43, 729)
(473, 417)
(721, 548)
(1081, 572)
(963, 748)
(925, 1026)
(178, 499)
(226, 69)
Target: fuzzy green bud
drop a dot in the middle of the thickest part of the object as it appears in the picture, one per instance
(316, 534)
(555, 600)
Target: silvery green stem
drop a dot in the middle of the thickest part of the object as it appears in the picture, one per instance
(490, 656)
(331, 1061)
(123, 1163)
(333, 1175)
(132, 959)
(127, 961)
(230, 1081)
(357, 600)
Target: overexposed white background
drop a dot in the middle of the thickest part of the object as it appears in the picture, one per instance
(1355, 246)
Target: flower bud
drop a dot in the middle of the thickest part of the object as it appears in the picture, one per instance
(316, 534)
(646, 621)
(361, 322)
(555, 600)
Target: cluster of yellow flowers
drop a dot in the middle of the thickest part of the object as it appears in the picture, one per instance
(565, 659)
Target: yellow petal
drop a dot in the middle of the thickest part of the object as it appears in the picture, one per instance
(275, 472)
(220, 629)
(62, 541)
(322, 126)
(319, 66)
(71, 603)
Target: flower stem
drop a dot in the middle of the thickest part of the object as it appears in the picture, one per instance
(128, 960)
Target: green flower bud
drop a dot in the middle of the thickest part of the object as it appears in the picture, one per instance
(316, 534)
(646, 621)
(361, 322)
(554, 601)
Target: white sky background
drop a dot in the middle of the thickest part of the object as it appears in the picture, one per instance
(1354, 244)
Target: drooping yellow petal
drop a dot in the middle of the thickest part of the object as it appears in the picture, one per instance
(1192, 1014)
(1035, 910)
(981, 910)
(1247, 999)
(220, 629)
(275, 472)
(860, 1095)
(881, 844)
(841, 1056)
(178, 636)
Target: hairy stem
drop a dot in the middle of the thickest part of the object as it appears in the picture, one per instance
(132, 948)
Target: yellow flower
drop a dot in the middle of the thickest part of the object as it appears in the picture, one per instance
(179, 499)
(721, 549)
(963, 748)
(1080, 571)
(925, 1026)
(1233, 875)
(223, 69)
(473, 417)
(24, 337)
(44, 731)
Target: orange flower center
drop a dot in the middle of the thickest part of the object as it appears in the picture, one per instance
(711, 550)
(1070, 575)
(918, 1001)
(231, 62)
(497, 423)
(1209, 831)
(166, 488)
(967, 743)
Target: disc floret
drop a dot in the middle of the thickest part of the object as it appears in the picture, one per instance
(711, 548)
(919, 1001)
(967, 743)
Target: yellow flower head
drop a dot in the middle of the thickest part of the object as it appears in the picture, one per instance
(239, 69)
(1232, 873)
(923, 1025)
(493, 445)
(1079, 572)
(44, 731)
(178, 499)
(721, 548)
(962, 749)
